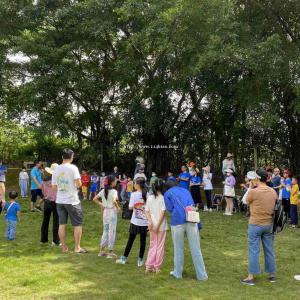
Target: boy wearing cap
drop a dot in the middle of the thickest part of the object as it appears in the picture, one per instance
(261, 201)
(49, 207)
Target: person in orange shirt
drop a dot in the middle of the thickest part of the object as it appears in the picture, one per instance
(294, 202)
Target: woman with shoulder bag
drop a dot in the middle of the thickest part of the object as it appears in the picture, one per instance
(179, 203)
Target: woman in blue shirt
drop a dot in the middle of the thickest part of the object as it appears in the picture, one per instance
(177, 199)
(184, 178)
(195, 182)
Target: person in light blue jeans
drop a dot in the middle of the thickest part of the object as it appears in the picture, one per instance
(261, 200)
(176, 199)
(23, 182)
(257, 234)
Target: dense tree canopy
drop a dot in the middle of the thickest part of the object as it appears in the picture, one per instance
(198, 77)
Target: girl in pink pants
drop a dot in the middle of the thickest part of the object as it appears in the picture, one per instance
(156, 215)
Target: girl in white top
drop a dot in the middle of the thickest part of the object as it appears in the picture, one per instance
(156, 215)
(109, 205)
(208, 187)
(138, 223)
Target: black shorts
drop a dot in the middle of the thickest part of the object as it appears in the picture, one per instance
(36, 193)
(74, 211)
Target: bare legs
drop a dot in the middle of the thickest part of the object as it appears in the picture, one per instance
(229, 206)
(77, 237)
(2, 192)
(62, 237)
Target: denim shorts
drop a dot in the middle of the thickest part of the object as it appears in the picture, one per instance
(69, 210)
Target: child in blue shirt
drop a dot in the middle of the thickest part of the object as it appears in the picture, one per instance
(95, 179)
(12, 215)
(171, 176)
(286, 191)
(184, 178)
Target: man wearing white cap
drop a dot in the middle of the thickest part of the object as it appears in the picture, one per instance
(261, 201)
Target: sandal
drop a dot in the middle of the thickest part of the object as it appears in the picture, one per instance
(81, 251)
(111, 255)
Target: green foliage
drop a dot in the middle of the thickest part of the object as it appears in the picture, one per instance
(206, 76)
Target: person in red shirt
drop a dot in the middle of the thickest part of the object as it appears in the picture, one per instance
(85, 179)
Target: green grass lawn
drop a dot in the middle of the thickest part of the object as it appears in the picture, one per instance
(32, 271)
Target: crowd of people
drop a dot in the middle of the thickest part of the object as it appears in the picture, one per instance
(57, 188)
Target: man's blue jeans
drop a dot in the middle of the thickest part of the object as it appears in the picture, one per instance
(257, 234)
(192, 233)
(10, 229)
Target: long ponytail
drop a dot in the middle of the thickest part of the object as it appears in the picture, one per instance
(142, 183)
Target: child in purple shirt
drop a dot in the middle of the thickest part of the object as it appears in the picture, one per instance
(229, 192)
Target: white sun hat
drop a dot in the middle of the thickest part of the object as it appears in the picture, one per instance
(252, 175)
(228, 171)
(51, 169)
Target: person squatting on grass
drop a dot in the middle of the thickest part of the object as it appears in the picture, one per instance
(49, 207)
(139, 222)
(66, 180)
(156, 215)
(177, 200)
(12, 215)
(109, 205)
(261, 201)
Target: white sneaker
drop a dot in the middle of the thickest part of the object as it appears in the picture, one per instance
(210, 210)
(140, 262)
(227, 214)
(121, 260)
(297, 277)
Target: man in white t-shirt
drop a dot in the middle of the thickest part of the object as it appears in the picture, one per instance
(66, 180)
